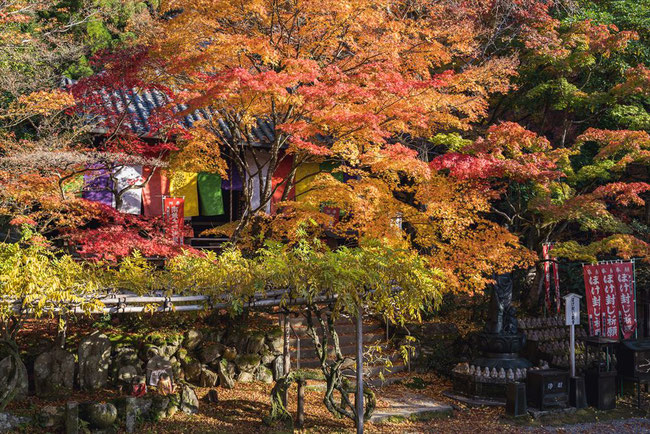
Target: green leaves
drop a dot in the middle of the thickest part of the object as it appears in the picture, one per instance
(398, 283)
(43, 281)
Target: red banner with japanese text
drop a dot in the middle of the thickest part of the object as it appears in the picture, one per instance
(626, 298)
(610, 301)
(173, 217)
(593, 290)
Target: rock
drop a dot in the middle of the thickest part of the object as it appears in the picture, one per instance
(248, 362)
(237, 339)
(168, 350)
(245, 377)
(177, 369)
(225, 375)
(278, 368)
(159, 406)
(126, 374)
(131, 406)
(54, 372)
(213, 396)
(142, 406)
(264, 375)
(255, 343)
(94, 361)
(126, 356)
(192, 369)
(9, 379)
(275, 342)
(147, 351)
(130, 414)
(155, 366)
(189, 401)
(230, 353)
(101, 415)
(267, 358)
(9, 422)
(472, 370)
(50, 416)
(71, 418)
(208, 378)
(210, 352)
(192, 339)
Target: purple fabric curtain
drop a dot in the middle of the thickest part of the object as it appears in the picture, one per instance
(98, 187)
(233, 182)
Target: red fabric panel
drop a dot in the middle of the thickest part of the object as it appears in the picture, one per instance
(280, 174)
(152, 193)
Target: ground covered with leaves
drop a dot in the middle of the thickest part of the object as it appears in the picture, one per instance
(241, 409)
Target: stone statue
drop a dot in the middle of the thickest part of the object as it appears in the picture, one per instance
(502, 314)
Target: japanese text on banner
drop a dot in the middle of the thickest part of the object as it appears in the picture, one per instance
(174, 215)
(626, 301)
(609, 296)
(593, 294)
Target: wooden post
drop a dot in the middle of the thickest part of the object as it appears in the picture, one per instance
(359, 395)
(300, 422)
(286, 362)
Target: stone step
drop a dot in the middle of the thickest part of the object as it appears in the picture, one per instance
(410, 407)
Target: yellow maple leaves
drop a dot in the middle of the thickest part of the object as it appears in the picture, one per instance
(43, 103)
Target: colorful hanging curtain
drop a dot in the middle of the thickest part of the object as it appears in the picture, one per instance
(234, 180)
(184, 184)
(305, 174)
(330, 167)
(98, 186)
(253, 177)
(154, 191)
(210, 197)
(127, 176)
(279, 181)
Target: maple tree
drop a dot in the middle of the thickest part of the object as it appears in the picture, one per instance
(545, 194)
(48, 134)
(333, 82)
(353, 84)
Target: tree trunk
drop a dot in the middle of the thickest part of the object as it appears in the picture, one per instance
(300, 418)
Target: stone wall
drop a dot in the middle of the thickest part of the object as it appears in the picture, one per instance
(208, 357)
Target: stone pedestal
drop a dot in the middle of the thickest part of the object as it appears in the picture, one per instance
(501, 351)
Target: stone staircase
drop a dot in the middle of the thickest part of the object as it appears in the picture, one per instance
(374, 335)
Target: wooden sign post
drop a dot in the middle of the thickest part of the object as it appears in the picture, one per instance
(572, 319)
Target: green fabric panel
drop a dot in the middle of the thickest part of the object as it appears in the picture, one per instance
(210, 196)
(74, 185)
(330, 166)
